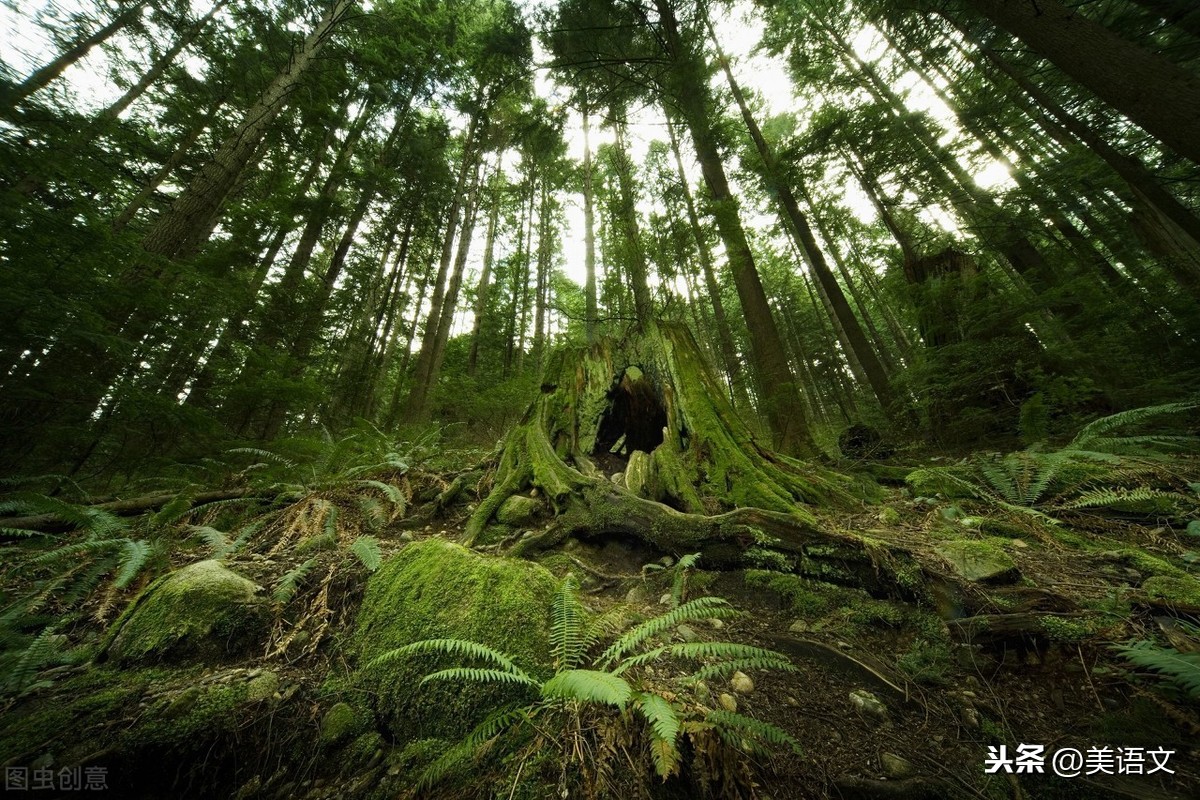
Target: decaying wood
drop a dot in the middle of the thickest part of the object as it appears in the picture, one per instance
(121, 508)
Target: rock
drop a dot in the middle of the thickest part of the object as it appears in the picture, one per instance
(262, 687)
(434, 589)
(889, 516)
(979, 562)
(667, 561)
(791, 701)
(666, 600)
(741, 683)
(688, 633)
(406, 536)
(894, 766)
(1020, 544)
(862, 442)
(970, 718)
(702, 691)
(636, 595)
(339, 722)
(518, 510)
(799, 626)
(204, 611)
(728, 702)
(716, 624)
(868, 705)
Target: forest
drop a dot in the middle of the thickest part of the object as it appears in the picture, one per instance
(600, 399)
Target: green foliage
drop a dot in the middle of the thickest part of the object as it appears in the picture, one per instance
(1095, 470)
(609, 684)
(366, 550)
(1182, 670)
(286, 588)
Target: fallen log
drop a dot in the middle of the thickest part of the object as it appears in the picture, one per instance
(51, 523)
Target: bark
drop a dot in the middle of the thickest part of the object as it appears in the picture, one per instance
(635, 252)
(483, 290)
(778, 391)
(78, 49)
(729, 356)
(589, 233)
(180, 230)
(653, 398)
(543, 270)
(1154, 93)
(850, 332)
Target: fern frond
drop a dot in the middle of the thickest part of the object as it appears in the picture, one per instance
(393, 493)
(331, 519)
(605, 624)
(478, 675)
(452, 647)
(134, 556)
(1182, 669)
(588, 686)
(217, 541)
(493, 726)
(178, 508)
(665, 756)
(24, 533)
(366, 549)
(89, 545)
(727, 650)
(1095, 429)
(267, 455)
(660, 713)
(763, 731)
(568, 643)
(290, 582)
(722, 668)
(45, 647)
(1111, 497)
(700, 608)
(679, 580)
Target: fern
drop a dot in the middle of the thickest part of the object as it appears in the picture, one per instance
(374, 514)
(266, 455)
(1114, 497)
(45, 648)
(1182, 669)
(133, 558)
(217, 541)
(679, 581)
(700, 608)
(290, 582)
(493, 726)
(1092, 434)
(178, 508)
(763, 731)
(452, 647)
(588, 686)
(479, 675)
(661, 715)
(394, 495)
(366, 549)
(568, 641)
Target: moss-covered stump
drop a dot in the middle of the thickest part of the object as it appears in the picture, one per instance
(203, 611)
(438, 590)
(638, 435)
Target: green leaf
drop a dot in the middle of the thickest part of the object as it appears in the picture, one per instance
(1193, 527)
(588, 686)
(366, 548)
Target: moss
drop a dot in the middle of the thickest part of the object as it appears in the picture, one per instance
(979, 560)
(202, 610)
(435, 589)
(1067, 631)
(1182, 590)
(937, 480)
(340, 722)
(926, 661)
(889, 516)
(209, 713)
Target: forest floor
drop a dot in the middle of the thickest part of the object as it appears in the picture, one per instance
(895, 694)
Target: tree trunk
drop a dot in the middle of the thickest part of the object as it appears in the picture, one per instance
(589, 234)
(483, 290)
(777, 389)
(180, 230)
(1156, 94)
(635, 252)
(651, 411)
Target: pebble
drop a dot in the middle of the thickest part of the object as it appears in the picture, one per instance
(406, 536)
(716, 624)
(688, 634)
(636, 595)
(970, 718)
(728, 702)
(741, 683)
(869, 705)
(791, 701)
(894, 766)
(799, 626)
(665, 600)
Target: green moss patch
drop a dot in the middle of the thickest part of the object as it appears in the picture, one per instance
(203, 610)
(432, 590)
(1181, 590)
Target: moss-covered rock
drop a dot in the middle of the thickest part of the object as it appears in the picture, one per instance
(433, 590)
(202, 611)
(518, 510)
(339, 722)
(1182, 591)
(979, 561)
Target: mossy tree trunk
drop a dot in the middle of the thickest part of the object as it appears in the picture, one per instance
(636, 438)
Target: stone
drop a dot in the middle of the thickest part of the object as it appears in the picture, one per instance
(203, 611)
(435, 589)
(889, 516)
(518, 510)
(688, 633)
(728, 702)
(666, 600)
(636, 595)
(406, 536)
(799, 626)
(716, 624)
(894, 766)
(741, 683)
(979, 562)
(868, 705)
(339, 722)
(262, 687)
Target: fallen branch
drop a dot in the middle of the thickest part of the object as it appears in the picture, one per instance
(121, 508)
